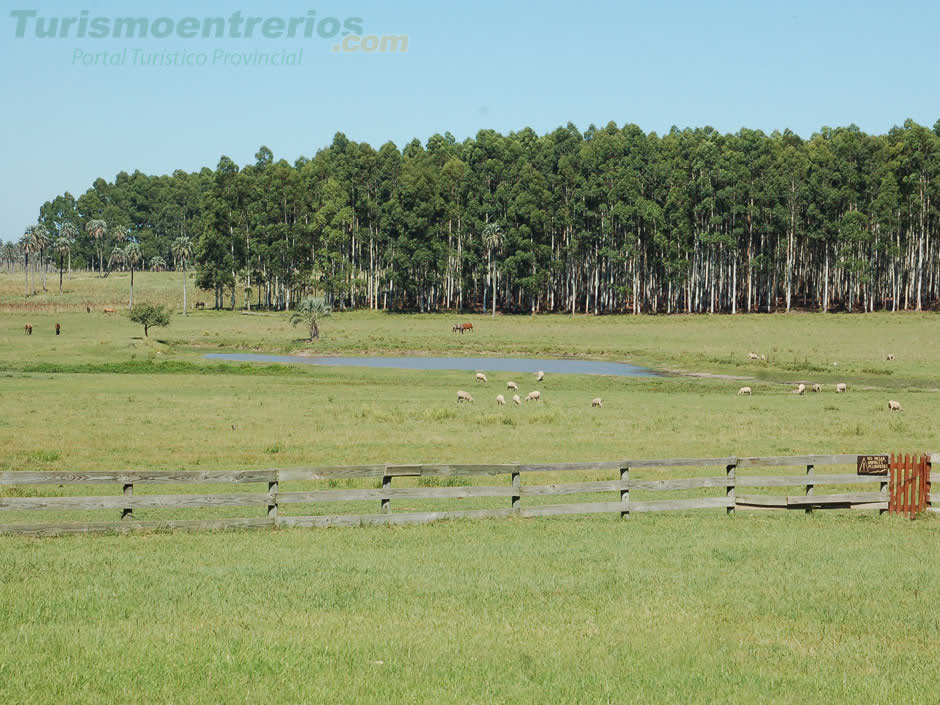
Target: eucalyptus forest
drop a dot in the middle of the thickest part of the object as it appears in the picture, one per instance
(610, 220)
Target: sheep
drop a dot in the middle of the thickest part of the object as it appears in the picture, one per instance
(516, 400)
(817, 388)
(801, 389)
(753, 356)
(894, 406)
(890, 356)
(464, 396)
(840, 387)
(481, 377)
(744, 390)
(597, 402)
(534, 396)
(513, 386)
(539, 376)
(500, 400)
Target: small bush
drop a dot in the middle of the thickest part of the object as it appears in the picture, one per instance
(150, 316)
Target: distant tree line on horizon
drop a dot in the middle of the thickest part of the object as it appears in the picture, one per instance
(606, 221)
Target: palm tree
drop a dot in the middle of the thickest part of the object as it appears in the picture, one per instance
(27, 244)
(132, 257)
(310, 310)
(120, 233)
(157, 264)
(182, 248)
(10, 254)
(63, 248)
(116, 258)
(97, 229)
(69, 232)
(40, 239)
(492, 238)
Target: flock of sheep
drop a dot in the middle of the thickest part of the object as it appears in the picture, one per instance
(841, 387)
(463, 396)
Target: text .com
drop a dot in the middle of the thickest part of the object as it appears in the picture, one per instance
(373, 44)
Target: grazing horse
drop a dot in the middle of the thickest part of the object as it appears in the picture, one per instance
(28, 329)
(457, 328)
(466, 328)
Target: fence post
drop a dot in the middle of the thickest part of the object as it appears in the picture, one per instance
(729, 491)
(386, 503)
(893, 484)
(128, 512)
(928, 468)
(923, 469)
(272, 508)
(516, 491)
(883, 487)
(625, 492)
(810, 487)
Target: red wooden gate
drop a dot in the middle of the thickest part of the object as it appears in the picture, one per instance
(908, 484)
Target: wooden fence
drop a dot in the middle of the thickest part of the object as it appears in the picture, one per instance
(725, 490)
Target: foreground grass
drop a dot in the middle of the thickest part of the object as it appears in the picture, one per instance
(778, 609)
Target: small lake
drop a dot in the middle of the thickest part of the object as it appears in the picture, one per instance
(473, 364)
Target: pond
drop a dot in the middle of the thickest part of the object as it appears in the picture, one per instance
(474, 364)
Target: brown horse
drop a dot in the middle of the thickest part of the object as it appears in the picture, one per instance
(58, 328)
(28, 329)
(466, 328)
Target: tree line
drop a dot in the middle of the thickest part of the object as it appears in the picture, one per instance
(605, 221)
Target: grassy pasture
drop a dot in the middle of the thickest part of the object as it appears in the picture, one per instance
(782, 608)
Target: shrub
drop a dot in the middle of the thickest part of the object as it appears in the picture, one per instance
(150, 315)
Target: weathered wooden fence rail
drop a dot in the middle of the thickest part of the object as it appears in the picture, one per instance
(731, 480)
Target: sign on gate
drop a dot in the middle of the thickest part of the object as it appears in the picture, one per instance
(872, 465)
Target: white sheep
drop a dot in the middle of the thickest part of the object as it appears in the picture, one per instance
(597, 402)
(481, 377)
(500, 400)
(890, 356)
(534, 396)
(753, 356)
(817, 388)
(801, 389)
(516, 400)
(894, 406)
(744, 390)
(539, 376)
(464, 396)
(840, 387)
(513, 386)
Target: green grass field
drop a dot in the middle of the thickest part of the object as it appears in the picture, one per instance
(790, 608)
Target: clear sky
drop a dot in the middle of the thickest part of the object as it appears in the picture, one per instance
(482, 64)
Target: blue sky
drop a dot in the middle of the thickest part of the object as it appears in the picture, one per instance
(799, 65)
